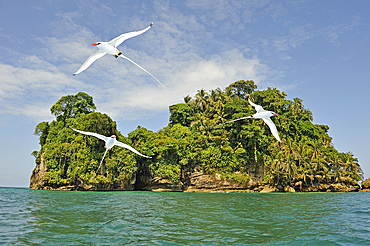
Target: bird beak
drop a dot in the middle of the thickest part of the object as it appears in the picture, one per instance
(94, 44)
(276, 114)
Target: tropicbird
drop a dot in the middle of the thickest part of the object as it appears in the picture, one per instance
(261, 114)
(109, 143)
(111, 48)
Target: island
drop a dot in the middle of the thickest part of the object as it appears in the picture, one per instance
(194, 153)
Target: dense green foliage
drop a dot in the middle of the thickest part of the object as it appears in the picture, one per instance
(73, 105)
(69, 154)
(306, 155)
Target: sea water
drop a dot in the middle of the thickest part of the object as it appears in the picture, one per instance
(37, 217)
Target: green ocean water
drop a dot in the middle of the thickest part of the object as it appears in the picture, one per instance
(32, 217)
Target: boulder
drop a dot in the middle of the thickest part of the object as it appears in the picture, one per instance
(339, 187)
(365, 185)
(268, 189)
(289, 189)
(163, 185)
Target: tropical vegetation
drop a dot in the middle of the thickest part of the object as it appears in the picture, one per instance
(193, 138)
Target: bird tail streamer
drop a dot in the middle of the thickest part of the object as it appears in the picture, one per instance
(142, 69)
(232, 121)
(102, 160)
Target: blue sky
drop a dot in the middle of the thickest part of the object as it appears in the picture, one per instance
(314, 50)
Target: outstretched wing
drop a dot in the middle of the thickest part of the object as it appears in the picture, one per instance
(273, 129)
(257, 107)
(118, 40)
(92, 134)
(142, 69)
(120, 144)
(90, 60)
(233, 121)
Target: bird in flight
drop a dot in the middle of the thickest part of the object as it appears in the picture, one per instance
(261, 114)
(111, 48)
(109, 143)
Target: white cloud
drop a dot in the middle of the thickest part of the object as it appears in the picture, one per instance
(30, 90)
(18, 81)
(36, 110)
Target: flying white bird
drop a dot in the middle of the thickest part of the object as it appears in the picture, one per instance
(261, 114)
(109, 143)
(111, 48)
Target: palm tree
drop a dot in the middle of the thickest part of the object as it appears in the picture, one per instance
(301, 151)
(318, 159)
(298, 112)
(202, 99)
(187, 99)
(289, 157)
(352, 167)
(277, 166)
(335, 165)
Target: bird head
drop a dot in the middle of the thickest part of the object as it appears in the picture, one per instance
(95, 43)
(113, 136)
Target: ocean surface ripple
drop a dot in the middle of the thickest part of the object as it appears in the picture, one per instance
(34, 217)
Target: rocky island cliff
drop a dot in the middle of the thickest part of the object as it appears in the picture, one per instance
(191, 154)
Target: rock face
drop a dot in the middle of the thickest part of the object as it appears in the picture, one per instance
(197, 181)
(194, 180)
(163, 185)
(365, 185)
(268, 189)
(36, 181)
(77, 184)
(337, 187)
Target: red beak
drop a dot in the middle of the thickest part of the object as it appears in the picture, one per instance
(276, 114)
(94, 44)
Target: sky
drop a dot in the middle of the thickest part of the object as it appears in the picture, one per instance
(314, 50)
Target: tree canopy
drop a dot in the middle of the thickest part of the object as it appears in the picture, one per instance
(241, 88)
(72, 105)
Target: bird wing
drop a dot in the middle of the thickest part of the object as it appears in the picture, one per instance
(257, 107)
(233, 121)
(90, 60)
(273, 129)
(118, 40)
(142, 69)
(120, 144)
(92, 134)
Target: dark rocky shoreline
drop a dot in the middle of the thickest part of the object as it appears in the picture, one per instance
(192, 181)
